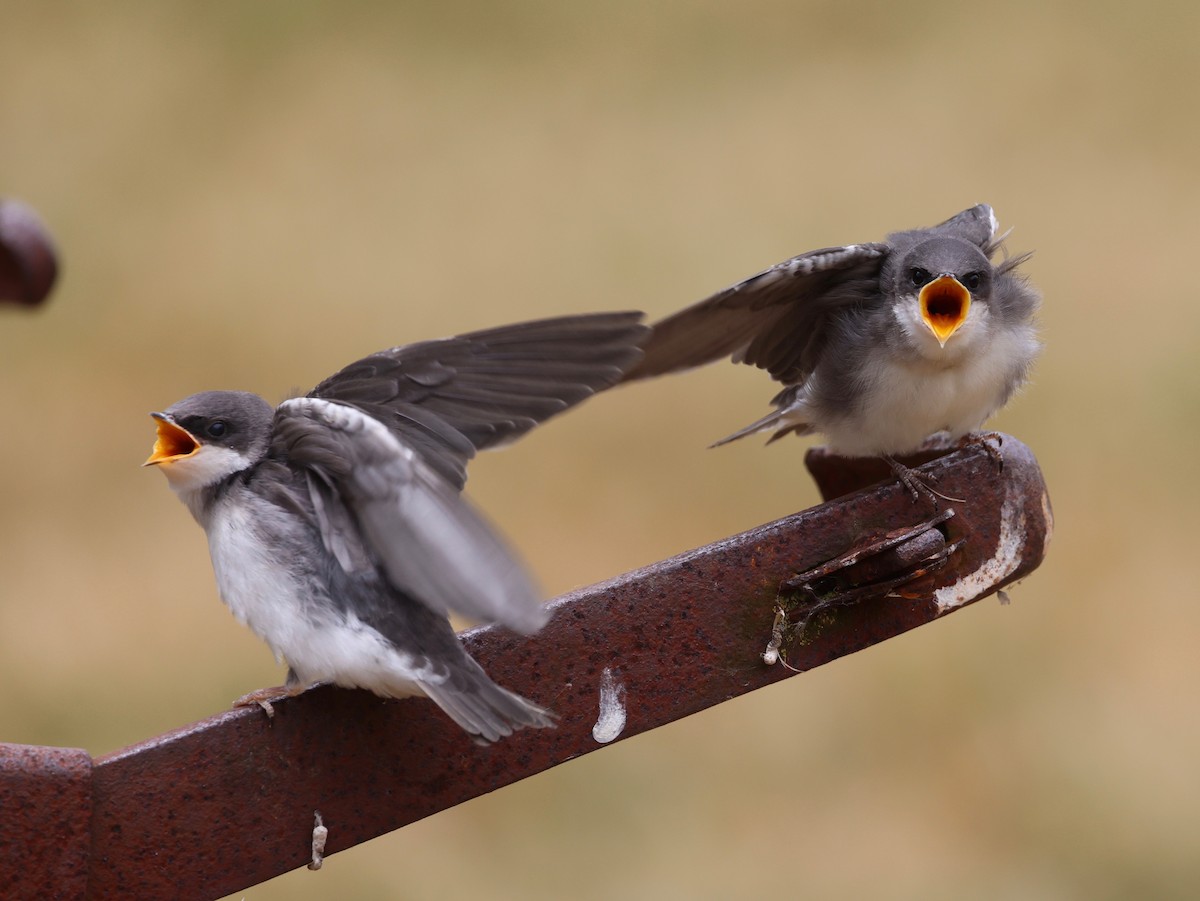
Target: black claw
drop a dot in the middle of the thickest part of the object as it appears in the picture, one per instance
(985, 440)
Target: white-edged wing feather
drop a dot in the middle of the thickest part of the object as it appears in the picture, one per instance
(411, 521)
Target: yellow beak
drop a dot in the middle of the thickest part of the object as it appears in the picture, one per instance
(173, 443)
(944, 305)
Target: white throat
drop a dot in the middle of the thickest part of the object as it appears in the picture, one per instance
(920, 338)
(203, 469)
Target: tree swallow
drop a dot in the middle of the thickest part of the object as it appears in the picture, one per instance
(881, 346)
(335, 522)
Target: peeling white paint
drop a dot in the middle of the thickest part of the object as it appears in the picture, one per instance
(1049, 517)
(1002, 565)
(611, 722)
(320, 835)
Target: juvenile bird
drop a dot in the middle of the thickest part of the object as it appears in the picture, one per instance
(881, 346)
(335, 522)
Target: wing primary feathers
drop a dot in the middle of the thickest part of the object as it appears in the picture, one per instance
(746, 320)
(459, 395)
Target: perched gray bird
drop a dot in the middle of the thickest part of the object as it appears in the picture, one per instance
(335, 522)
(881, 346)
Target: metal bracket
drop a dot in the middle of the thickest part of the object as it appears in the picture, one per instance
(616, 659)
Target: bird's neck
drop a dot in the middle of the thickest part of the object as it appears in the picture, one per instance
(199, 501)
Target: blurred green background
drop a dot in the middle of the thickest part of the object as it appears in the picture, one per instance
(250, 195)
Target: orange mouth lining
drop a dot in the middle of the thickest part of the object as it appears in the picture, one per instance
(944, 304)
(172, 443)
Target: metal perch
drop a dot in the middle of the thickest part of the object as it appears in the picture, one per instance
(616, 659)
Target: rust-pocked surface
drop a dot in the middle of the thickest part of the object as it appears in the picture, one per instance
(45, 820)
(230, 802)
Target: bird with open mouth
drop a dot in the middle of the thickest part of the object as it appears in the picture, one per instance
(335, 521)
(883, 347)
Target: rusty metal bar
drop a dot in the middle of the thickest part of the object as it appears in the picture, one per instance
(45, 821)
(229, 802)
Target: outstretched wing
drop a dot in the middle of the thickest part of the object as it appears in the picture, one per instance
(776, 320)
(380, 507)
(779, 319)
(976, 224)
(449, 398)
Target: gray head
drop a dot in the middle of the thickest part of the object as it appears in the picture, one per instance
(938, 280)
(207, 437)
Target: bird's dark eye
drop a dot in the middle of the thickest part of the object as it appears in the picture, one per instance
(972, 280)
(217, 428)
(919, 276)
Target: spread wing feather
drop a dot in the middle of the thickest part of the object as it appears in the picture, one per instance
(452, 397)
(779, 320)
(774, 320)
(379, 506)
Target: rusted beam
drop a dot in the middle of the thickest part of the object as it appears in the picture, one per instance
(229, 802)
(232, 801)
(45, 822)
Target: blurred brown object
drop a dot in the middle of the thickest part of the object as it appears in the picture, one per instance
(28, 263)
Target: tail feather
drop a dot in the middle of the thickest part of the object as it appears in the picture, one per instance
(484, 709)
(776, 421)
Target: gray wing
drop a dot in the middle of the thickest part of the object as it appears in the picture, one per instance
(976, 224)
(776, 320)
(449, 398)
(380, 506)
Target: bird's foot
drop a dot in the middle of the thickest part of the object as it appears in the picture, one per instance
(264, 697)
(918, 484)
(992, 442)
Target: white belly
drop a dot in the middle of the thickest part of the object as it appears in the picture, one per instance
(911, 400)
(286, 609)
